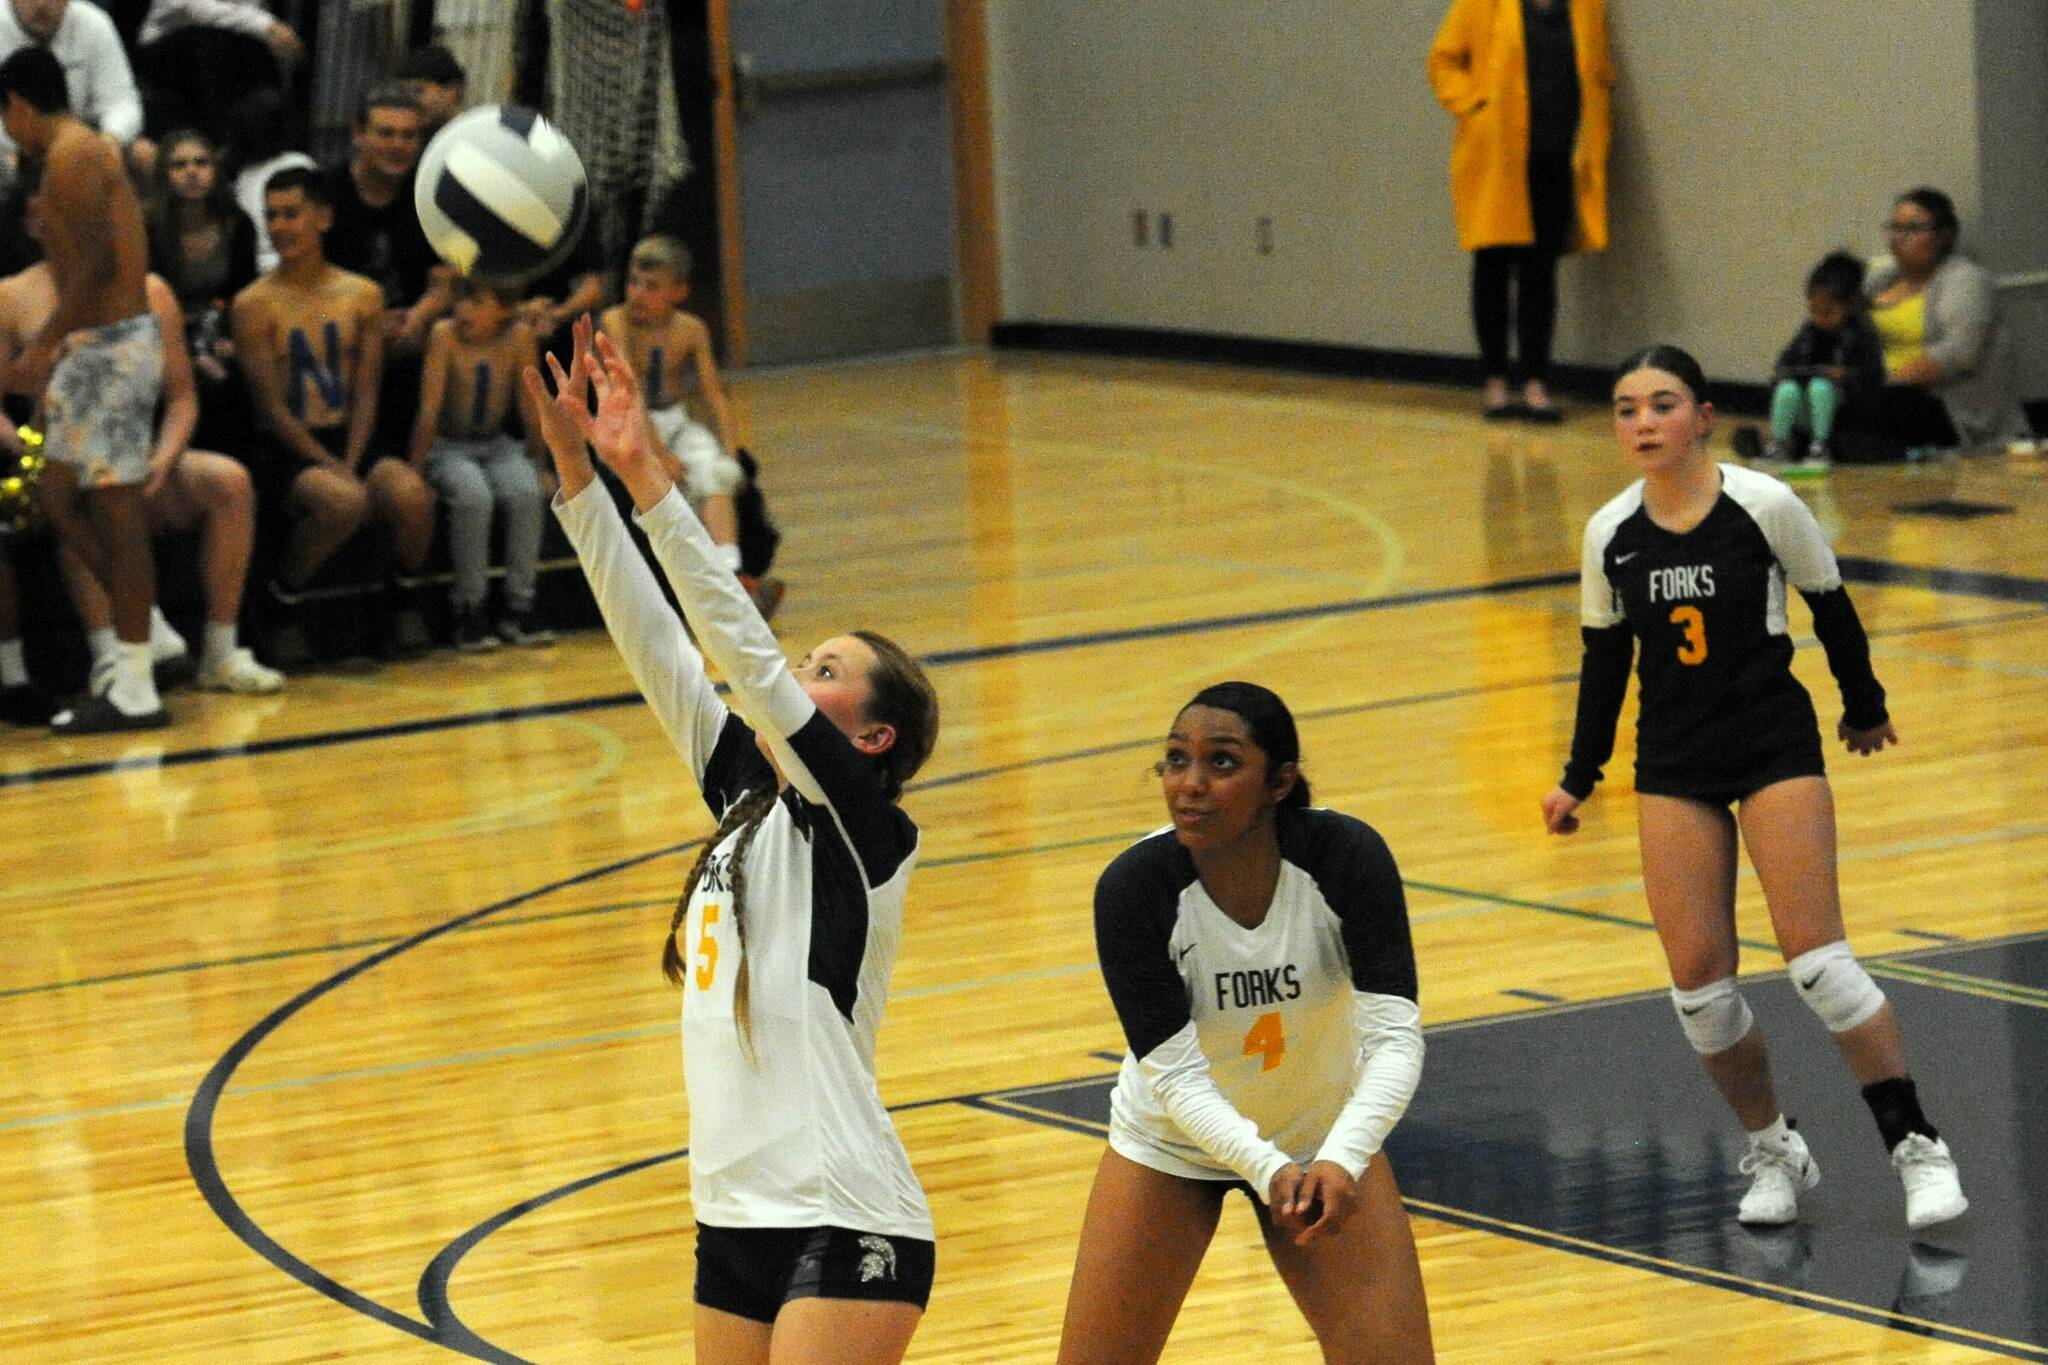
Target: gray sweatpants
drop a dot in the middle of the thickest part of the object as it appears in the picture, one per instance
(472, 476)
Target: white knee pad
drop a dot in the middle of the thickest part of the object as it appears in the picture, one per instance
(1834, 986)
(1715, 1017)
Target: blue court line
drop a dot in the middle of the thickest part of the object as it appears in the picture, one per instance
(2002, 587)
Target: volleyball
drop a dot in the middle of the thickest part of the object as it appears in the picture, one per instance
(501, 194)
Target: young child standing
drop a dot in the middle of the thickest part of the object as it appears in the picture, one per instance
(666, 347)
(1834, 358)
(460, 443)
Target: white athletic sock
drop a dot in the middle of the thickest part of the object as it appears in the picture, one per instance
(220, 641)
(134, 689)
(13, 668)
(102, 643)
(164, 640)
(728, 557)
(1775, 1134)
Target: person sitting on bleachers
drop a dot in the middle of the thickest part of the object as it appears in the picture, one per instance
(309, 338)
(204, 247)
(468, 390)
(438, 84)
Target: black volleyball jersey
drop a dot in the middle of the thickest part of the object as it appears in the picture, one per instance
(1707, 608)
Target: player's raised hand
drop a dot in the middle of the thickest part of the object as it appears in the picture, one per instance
(564, 419)
(1560, 811)
(619, 434)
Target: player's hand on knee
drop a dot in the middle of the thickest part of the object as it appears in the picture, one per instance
(1560, 811)
(1327, 1195)
(1866, 741)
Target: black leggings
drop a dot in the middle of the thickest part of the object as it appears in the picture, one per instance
(1532, 270)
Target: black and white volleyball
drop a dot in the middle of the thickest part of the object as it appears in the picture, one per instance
(501, 193)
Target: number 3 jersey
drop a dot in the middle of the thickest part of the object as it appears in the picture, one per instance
(1247, 1046)
(1708, 607)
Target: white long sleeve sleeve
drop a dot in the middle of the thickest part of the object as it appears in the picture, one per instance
(732, 634)
(1178, 1074)
(665, 666)
(1390, 1049)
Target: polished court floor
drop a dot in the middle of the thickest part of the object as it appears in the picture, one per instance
(334, 1028)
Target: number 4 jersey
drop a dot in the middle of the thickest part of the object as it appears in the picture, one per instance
(1718, 699)
(1253, 1047)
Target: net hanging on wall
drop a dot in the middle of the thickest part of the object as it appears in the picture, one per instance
(480, 34)
(610, 90)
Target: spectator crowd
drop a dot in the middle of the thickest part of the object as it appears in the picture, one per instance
(335, 405)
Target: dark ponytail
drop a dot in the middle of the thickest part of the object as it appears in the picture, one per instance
(1271, 726)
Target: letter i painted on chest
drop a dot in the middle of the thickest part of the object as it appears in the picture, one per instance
(654, 359)
(479, 409)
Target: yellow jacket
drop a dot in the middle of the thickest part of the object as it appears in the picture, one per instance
(1480, 73)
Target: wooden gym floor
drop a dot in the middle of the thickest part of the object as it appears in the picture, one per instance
(335, 1031)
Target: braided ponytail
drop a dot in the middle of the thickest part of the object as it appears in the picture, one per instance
(745, 815)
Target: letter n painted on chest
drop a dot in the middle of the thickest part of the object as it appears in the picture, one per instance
(306, 367)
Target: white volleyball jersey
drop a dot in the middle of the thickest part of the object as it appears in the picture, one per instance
(795, 1135)
(1272, 1006)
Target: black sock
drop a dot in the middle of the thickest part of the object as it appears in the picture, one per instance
(1896, 1107)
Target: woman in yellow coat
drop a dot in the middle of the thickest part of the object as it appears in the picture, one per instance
(1528, 82)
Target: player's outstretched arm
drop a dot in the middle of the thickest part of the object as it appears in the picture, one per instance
(667, 668)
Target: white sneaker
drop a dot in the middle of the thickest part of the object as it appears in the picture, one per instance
(1779, 1173)
(1934, 1192)
(239, 672)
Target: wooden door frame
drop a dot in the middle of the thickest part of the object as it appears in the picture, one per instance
(976, 260)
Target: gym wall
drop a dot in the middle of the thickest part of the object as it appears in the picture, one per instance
(1751, 136)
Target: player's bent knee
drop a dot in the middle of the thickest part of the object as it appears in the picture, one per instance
(1834, 986)
(1715, 1017)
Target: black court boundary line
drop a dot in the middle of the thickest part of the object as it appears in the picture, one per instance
(1995, 587)
(949, 779)
(433, 1289)
(941, 659)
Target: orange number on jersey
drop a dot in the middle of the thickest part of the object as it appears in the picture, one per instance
(1694, 650)
(1265, 1039)
(707, 948)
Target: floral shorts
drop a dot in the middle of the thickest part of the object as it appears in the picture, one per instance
(101, 408)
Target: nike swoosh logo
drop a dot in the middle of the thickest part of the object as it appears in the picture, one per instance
(1807, 984)
(1623, 559)
(1690, 1012)
(1182, 955)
